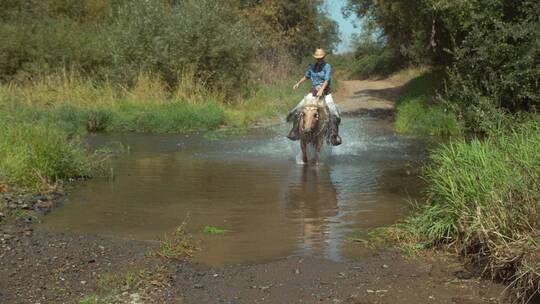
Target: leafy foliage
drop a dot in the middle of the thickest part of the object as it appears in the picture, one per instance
(373, 57)
(203, 36)
(497, 69)
(492, 49)
(425, 31)
(296, 26)
(112, 40)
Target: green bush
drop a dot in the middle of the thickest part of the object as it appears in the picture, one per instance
(143, 35)
(372, 57)
(497, 69)
(34, 47)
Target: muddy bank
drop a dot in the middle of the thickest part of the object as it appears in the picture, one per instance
(384, 277)
(39, 267)
(48, 268)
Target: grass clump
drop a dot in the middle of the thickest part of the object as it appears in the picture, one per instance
(213, 230)
(414, 116)
(93, 299)
(180, 245)
(142, 282)
(417, 111)
(484, 201)
(36, 156)
(167, 118)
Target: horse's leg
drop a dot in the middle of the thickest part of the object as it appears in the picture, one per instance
(303, 146)
(318, 146)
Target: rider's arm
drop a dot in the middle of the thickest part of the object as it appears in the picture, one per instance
(322, 88)
(307, 75)
(299, 82)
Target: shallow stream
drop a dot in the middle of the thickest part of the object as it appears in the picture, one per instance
(253, 186)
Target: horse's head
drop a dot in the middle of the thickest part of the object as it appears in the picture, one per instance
(309, 119)
(311, 115)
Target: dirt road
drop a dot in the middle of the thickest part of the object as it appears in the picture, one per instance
(367, 96)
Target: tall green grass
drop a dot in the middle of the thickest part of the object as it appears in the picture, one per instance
(418, 113)
(36, 156)
(483, 199)
(76, 104)
(265, 104)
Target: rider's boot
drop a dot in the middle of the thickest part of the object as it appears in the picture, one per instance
(294, 134)
(334, 130)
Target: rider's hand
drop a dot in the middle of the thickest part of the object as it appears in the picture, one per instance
(320, 93)
(295, 86)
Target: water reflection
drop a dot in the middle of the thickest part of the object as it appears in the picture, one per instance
(312, 202)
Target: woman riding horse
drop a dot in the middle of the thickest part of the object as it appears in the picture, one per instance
(320, 74)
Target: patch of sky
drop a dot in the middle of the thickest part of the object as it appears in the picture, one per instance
(347, 26)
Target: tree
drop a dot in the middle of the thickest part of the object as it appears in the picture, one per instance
(297, 26)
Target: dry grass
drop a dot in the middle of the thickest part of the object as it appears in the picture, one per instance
(405, 75)
(177, 246)
(119, 287)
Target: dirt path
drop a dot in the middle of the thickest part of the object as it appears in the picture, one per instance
(367, 96)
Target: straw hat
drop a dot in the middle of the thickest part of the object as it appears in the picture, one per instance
(319, 54)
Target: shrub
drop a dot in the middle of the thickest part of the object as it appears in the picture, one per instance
(143, 35)
(380, 62)
(373, 57)
(204, 36)
(39, 46)
(497, 68)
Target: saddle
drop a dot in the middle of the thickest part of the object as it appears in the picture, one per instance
(314, 91)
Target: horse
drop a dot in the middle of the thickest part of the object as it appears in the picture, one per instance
(313, 125)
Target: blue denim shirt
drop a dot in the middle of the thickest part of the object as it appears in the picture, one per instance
(318, 78)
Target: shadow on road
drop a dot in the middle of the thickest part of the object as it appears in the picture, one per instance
(386, 93)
